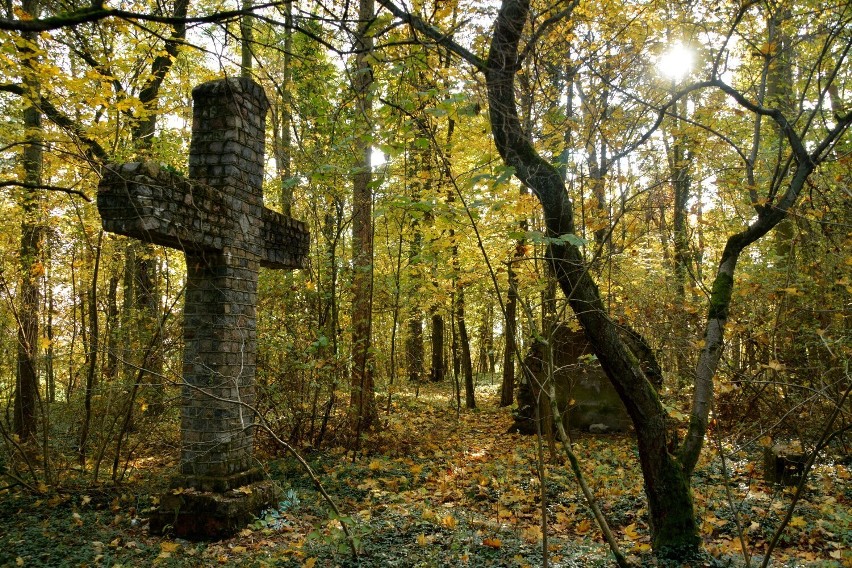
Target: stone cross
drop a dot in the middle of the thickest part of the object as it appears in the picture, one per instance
(217, 218)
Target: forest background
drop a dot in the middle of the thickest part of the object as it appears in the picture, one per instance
(681, 170)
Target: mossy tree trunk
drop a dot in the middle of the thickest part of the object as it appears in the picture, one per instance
(674, 527)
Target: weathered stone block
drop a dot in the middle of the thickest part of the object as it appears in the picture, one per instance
(584, 394)
(784, 463)
(213, 514)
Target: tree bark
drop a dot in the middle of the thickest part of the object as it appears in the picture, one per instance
(362, 400)
(283, 117)
(438, 369)
(246, 39)
(674, 528)
(91, 355)
(507, 387)
(464, 341)
(32, 233)
(144, 293)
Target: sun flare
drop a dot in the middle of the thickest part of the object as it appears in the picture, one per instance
(676, 62)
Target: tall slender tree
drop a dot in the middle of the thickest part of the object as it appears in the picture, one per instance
(32, 238)
(362, 400)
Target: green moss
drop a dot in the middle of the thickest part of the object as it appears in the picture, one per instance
(720, 297)
(675, 534)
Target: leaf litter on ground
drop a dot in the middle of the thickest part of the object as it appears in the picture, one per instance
(437, 487)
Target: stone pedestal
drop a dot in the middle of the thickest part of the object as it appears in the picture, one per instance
(784, 463)
(584, 394)
(212, 515)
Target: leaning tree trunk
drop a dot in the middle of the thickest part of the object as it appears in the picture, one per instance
(673, 524)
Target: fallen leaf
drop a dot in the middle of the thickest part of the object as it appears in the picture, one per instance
(449, 522)
(798, 522)
(492, 542)
(630, 531)
(532, 534)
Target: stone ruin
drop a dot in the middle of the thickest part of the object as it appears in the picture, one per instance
(586, 398)
(217, 218)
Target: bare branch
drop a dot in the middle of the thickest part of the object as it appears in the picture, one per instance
(68, 190)
(438, 36)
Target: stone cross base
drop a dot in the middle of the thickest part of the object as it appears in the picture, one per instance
(218, 483)
(207, 515)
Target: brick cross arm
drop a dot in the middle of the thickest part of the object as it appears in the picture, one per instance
(144, 201)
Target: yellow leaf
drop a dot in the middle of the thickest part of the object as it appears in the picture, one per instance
(583, 526)
(798, 522)
(630, 531)
(449, 522)
(532, 534)
(309, 563)
(422, 540)
(375, 465)
(238, 549)
(169, 546)
(245, 489)
(492, 542)
(19, 561)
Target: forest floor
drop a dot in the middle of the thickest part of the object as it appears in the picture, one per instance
(435, 488)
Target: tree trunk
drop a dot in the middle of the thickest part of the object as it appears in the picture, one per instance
(50, 370)
(143, 293)
(32, 233)
(674, 528)
(510, 325)
(438, 369)
(112, 332)
(282, 117)
(414, 347)
(464, 348)
(362, 400)
(418, 174)
(91, 355)
(246, 39)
